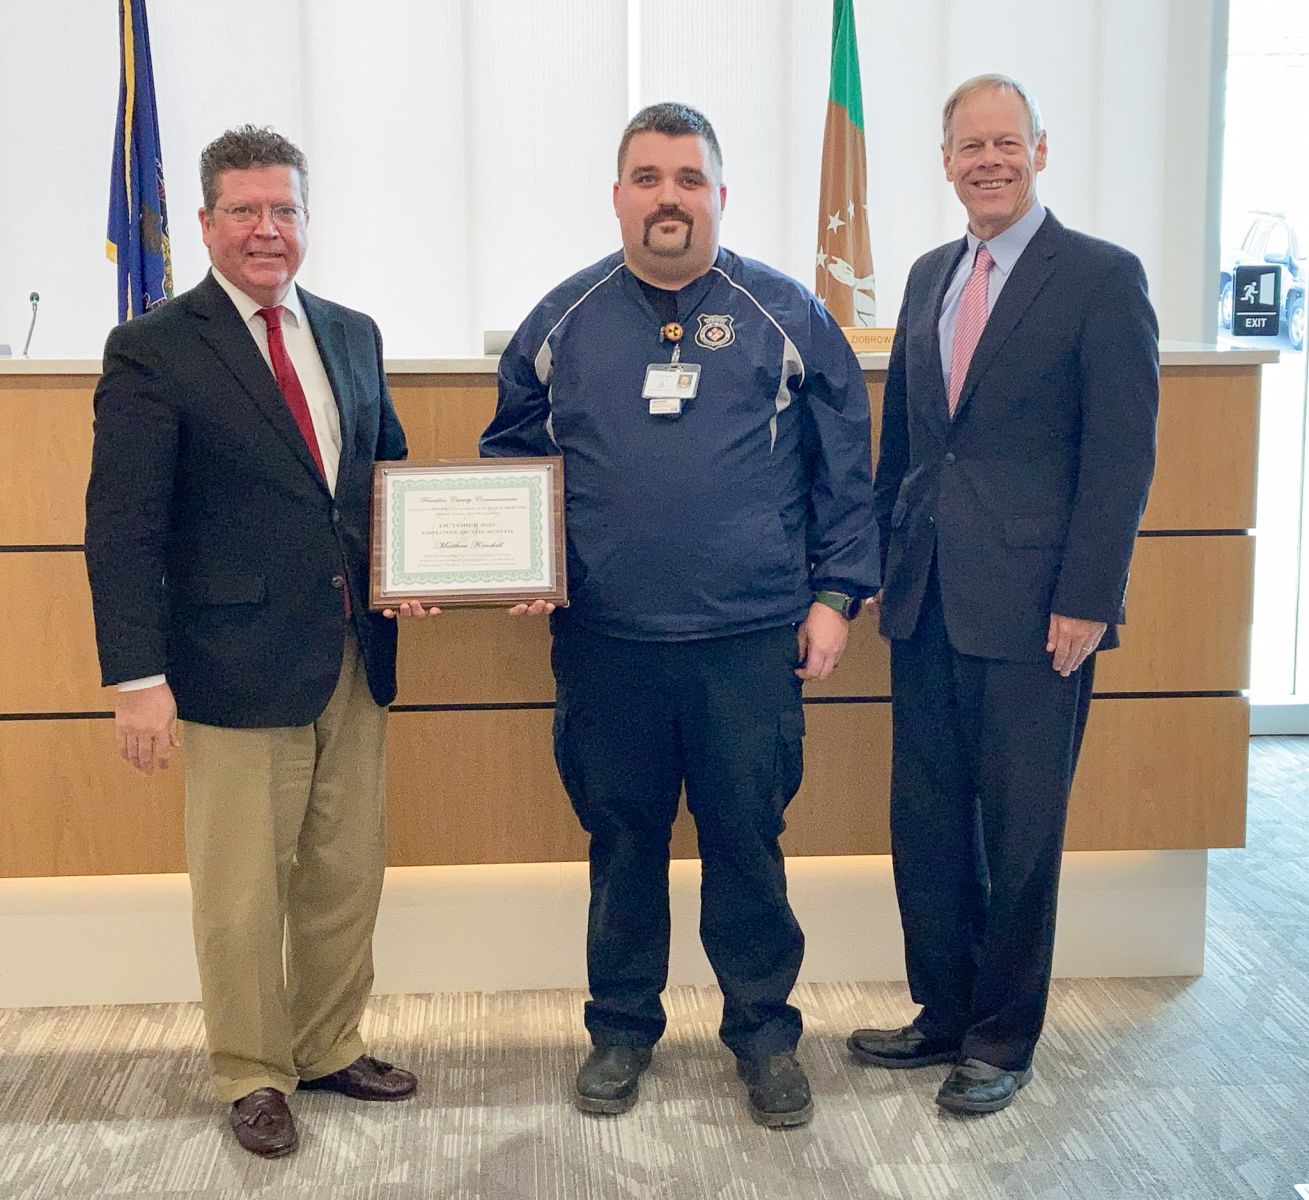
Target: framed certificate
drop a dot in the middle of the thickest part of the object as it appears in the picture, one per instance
(477, 531)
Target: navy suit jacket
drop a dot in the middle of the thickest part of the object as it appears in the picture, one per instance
(1030, 498)
(215, 552)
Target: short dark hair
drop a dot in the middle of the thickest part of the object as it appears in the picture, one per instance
(245, 147)
(675, 120)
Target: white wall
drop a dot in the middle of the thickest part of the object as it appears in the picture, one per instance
(461, 153)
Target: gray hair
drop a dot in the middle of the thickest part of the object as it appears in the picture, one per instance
(990, 83)
(674, 120)
(243, 148)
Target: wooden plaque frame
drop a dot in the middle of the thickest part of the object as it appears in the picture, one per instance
(461, 473)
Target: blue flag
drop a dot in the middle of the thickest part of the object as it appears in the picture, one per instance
(138, 217)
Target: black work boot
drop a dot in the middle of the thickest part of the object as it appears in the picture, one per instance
(777, 1090)
(607, 1082)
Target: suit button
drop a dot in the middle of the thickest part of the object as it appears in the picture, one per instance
(336, 517)
(949, 457)
(338, 582)
(931, 520)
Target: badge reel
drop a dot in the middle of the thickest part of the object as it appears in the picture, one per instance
(669, 385)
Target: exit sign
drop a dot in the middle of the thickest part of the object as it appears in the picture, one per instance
(1256, 301)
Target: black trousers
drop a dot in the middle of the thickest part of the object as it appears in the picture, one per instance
(634, 722)
(983, 753)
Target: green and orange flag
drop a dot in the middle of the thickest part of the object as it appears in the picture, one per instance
(844, 269)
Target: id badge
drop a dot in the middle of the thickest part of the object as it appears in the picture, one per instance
(668, 385)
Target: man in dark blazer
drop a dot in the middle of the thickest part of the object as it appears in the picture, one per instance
(1017, 450)
(227, 547)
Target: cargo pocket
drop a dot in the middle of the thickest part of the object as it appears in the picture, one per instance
(567, 759)
(788, 767)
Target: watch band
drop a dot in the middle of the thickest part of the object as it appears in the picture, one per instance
(847, 606)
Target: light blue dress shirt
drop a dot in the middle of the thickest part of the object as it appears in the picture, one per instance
(1006, 248)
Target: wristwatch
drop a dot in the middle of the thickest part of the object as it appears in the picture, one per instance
(847, 606)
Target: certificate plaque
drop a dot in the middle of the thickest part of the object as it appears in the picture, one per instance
(476, 531)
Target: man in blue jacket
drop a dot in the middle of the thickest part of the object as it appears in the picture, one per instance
(714, 427)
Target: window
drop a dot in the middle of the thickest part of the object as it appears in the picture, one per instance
(1266, 220)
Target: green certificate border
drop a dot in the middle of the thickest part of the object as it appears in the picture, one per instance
(536, 569)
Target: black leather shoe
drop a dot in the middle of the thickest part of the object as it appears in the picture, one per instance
(263, 1125)
(367, 1078)
(977, 1087)
(901, 1048)
(777, 1090)
(608, 1080)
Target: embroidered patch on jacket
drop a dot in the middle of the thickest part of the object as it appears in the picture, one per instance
(714, 332)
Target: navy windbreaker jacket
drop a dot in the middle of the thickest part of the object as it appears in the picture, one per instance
(728, 518)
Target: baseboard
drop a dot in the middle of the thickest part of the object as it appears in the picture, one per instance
(1289, 718)
(127, 939)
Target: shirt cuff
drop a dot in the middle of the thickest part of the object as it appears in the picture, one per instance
(136, 685)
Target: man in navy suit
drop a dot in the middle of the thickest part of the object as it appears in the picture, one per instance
(1017, 450)
(227, 547)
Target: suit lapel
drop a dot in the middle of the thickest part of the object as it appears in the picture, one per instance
(221, 327)
(938, 401)
(334, 350)
(1034, 266)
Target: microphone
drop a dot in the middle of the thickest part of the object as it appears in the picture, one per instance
(35, 298)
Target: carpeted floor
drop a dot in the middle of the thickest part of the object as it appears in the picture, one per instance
(1166, 1089)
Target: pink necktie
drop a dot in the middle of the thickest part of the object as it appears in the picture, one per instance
(289, 382)
(969, 324)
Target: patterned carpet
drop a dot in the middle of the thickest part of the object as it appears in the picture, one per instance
(1173, 1089)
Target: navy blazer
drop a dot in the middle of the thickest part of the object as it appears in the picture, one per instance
(215, 552)
(1030, 498)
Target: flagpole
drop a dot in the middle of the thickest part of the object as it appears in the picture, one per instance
(843, 267)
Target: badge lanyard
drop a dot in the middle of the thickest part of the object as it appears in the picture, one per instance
(668, 385)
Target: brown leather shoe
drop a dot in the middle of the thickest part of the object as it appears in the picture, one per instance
(367, 1078)
(263, 1125)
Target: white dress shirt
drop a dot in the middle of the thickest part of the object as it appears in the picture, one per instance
(302, 348)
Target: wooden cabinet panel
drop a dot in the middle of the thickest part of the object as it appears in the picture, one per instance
(1208, 431)
(1189, 613)
(1162, 774)
(475, 656)
(443, 415)
(70, 806)
(478, 784)
(45, 458)
(47, 638)
(1208, 449)
(477, 787)
(1208, 442)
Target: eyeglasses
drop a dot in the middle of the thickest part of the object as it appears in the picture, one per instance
(284, 215)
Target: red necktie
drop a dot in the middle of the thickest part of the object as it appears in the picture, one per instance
(294, 395)
(289, 382)
(969, 324)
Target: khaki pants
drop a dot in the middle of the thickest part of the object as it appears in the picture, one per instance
(286, 846)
